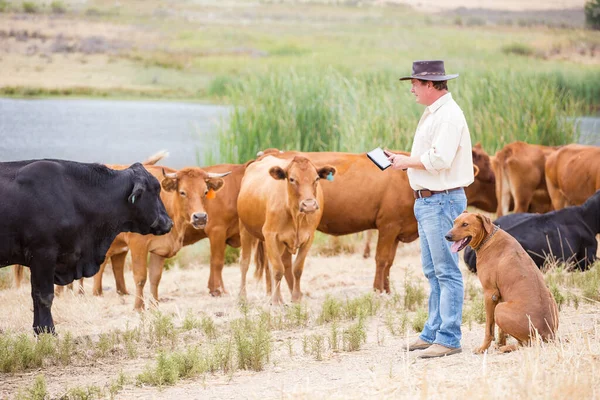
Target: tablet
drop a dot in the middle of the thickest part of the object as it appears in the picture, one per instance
(379, 158)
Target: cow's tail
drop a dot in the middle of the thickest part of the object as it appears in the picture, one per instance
(18, 274)
(156, 157)
(260, 258)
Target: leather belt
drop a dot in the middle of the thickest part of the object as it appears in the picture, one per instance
(428, 193)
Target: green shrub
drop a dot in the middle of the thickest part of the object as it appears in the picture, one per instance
(58, 7)
(519, 49)
(30, 7)
(592, 14)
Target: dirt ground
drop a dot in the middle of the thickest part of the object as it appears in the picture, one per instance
(568, 368)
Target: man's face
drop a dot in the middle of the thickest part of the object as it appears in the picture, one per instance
(422, 91)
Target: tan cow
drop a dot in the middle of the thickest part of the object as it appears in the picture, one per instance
(520, 178)
(573, 174)
(223, 227)
(363, 197)
(184, 195)
(281, 204)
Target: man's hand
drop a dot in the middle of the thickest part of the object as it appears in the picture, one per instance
(399, 161)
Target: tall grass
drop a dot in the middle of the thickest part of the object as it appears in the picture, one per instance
(334, 111)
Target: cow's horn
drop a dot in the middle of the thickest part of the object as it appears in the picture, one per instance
(170, 175)
(213, 175)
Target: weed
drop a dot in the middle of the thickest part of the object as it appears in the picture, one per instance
(558, 296)
(297, 315)
(84, 393)
(355, 336)
(419, 320)
(117, 385)
(317, 346)
(331, 311)
(253, 343)
(209, 328)
(38, 391)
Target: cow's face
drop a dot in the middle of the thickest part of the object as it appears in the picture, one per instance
(148, 211)
(302, 182)
(193, 187)
(469, 229)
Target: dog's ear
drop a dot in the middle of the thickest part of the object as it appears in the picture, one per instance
(486, 223)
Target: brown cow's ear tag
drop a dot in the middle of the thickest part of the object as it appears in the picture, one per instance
(211, 194)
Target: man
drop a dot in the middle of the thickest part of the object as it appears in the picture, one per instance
(439, 167)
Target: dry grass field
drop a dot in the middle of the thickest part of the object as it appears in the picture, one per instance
(341, 342)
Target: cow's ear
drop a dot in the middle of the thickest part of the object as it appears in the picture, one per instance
(138, 188)
(169, 184)
(465, 212)
(214, 183)
(326, 171)
(486, 223)
(475, 170)
(277, 173)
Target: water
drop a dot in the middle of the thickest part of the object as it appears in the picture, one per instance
(111, 132)
(122, 132)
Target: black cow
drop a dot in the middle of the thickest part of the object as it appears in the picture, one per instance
(60, 217)
(567, 235)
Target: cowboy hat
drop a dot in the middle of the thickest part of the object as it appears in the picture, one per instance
(432, 70)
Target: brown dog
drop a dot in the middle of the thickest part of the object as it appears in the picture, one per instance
(515, 294)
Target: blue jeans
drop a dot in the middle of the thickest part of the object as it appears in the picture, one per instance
(435, 216)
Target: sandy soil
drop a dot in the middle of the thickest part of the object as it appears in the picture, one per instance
(381, 369)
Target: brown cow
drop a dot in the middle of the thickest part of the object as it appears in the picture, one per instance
(363, 197)
(283, 210)
(222, 228)
(482, 192)
(573, 174)
(184, 196)
(520, 178)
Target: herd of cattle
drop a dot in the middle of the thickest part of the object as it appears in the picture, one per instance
(66, 220)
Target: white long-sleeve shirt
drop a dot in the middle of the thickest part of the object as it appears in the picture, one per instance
(443, 144)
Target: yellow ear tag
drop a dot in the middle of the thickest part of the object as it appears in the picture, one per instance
(210, 194)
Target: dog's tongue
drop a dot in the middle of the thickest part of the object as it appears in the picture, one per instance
(456, 245)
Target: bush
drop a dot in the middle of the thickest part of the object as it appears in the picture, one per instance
(592, 14)
(30, 7)
(4, 6)
(518, 48)
(58, 7)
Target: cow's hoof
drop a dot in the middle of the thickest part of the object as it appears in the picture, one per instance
(215, 293)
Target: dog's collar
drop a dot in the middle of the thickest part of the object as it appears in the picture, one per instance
(496, 227)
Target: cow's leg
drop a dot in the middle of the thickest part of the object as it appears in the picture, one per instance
(367, 250)
(118, 267)
(557, 198)
(502, 191)
(155, 270)
(274, 250)
(80, 289)
(286, 257)
(247, 242)
(97, 288)
(299, 268)
(217, 239)
(139, 264)
(387, 244)
(42, 293)
(18, 274)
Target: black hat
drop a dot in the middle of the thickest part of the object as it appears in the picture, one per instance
(429, 71)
